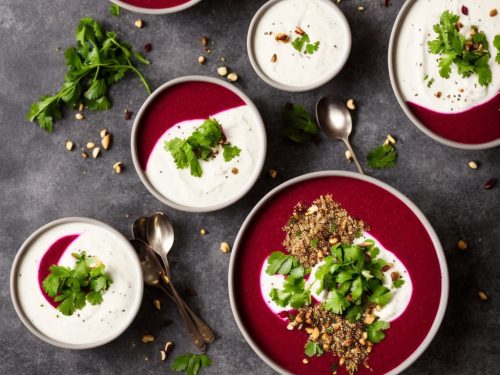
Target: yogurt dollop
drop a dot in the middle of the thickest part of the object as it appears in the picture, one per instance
(221, 180)
(322, 21)
(93, 323)
(400, 298)
(417, 70)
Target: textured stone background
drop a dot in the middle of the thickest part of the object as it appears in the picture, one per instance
(40, 181)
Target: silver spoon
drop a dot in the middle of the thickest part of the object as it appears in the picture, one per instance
(335, 121)
(161, 238)
(152, 273)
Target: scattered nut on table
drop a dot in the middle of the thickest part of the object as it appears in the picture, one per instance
(117, 167)
(106, 141)
(96, 152)
(79, 116)
(351, 105)
(156, 304)
(233, 77)
(147, 338)
(70, 145)
(224, 247)
(222, 71)
(201, 60)
(139, 23)
(462, 245)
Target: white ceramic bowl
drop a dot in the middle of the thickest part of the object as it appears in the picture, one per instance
(337, 68)
(133, 275)
(397, 91)
(259, 162)
(265, 203)
(143, 10)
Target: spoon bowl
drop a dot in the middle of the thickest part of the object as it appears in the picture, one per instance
(335, 121)
(160, 233)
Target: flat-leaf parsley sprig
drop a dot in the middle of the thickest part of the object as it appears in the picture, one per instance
(98, 61)
(72, 288)
(202, 144)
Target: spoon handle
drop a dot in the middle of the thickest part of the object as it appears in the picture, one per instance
(198, 340)
(204, 329)
(206, 332)
(358, 165)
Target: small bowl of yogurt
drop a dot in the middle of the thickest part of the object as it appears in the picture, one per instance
(172, 126)
(298, 45)
(155, 6)
(56, 244)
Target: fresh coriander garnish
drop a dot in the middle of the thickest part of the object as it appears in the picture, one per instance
(114, 9)
(72, 288)
(190, 364)
(202, 144)
(375, 331)
(98, 61)
(384, 156)
(303, 44)
(312, 349)
(398, 283)
(469, 55)
(299, 125)
(496, 43)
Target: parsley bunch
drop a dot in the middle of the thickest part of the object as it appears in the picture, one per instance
(190, 363)
(299, 124)
(303, 44)
(73, 288)
(201, 145)
(470, 55)
(98, 61)
(384, 156)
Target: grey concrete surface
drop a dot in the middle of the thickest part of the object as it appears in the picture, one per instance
(40, 181)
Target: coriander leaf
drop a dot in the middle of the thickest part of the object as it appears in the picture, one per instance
(496, 43)
(96, 90)
(445, 62)
(140, 57)
(374, 330)
(354, 313)
(298, 43)
(176, 148)
(384, 156)
(51, 285)
(311, 48)
(190, 363)
(299, 124)
(230, 152)
(275, 261)
(398, 283)
(114, 10)
(381, 296)
(336, 302)
(312, 349)
(94, 298)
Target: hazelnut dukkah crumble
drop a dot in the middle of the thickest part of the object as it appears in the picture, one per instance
(350, 275)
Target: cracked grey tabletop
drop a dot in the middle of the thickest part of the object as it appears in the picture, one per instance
(40, 181)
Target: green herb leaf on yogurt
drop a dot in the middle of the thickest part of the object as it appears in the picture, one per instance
(299, 125)
(230, 152)
(384, 156)
(114, 9)
(73, 287)
(398, 283)
(470, 55)
(496, 43)
(97, 61)
(190, 363)
(202, 144)
(303, 44)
